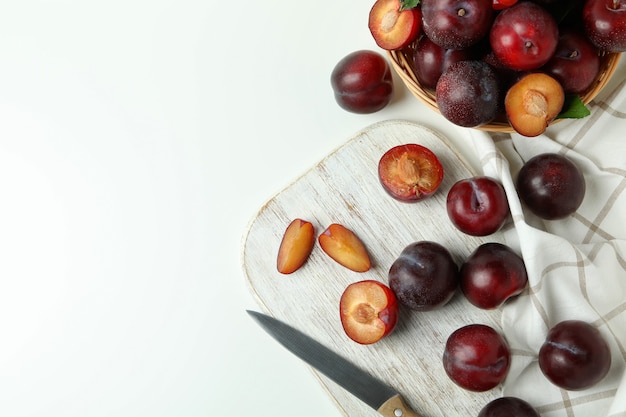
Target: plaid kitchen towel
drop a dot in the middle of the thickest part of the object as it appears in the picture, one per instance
(577, 265)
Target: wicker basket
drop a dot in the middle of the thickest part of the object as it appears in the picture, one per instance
(401, 61)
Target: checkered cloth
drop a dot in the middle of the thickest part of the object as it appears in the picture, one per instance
(576, 266)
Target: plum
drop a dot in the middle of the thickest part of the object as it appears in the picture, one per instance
(574, 355)
(492, 274)
(392, 26)
(477, 206)
(605, 24)
(296, 246)
(456, 24)
(476, 357)
(524, 36)
(410, 172)
(344, 247)
(424, 277)
(503, 4)
(431, 60)
(575, 63)
(468, 93)
(533, 102)
(508, 407)
(551, 186)
(362, 82)
(368, 310)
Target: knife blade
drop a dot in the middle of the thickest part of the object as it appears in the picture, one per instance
(372, 391)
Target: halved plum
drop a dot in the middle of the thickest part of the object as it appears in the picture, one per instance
(410, 172)
(533, 102)
(392, 26)
(368, 311)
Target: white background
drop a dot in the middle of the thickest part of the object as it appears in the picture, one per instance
(138, 139)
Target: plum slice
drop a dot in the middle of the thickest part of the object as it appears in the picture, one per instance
(295, 246)
(410, 172)
(344, 247)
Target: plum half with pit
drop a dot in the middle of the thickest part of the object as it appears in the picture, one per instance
(476, 357)
(362, 82)
(410, 172)
(524, 36)
(478, 205)
(368, 310)
(424, 277)
(392, 26)
(551, 186)
(575, 355)
(456, 24)
(468, 93)
(533, 102)
(492, 274)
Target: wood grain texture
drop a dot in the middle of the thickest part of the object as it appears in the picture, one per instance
(344, 188)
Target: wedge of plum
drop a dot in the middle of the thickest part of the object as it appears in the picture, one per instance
(295, 246)
(344, 247)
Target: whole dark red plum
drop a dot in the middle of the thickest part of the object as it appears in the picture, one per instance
(424, 277)
(456, 24)
(575, 63)
(508, 407)
(492, 274)
(468, 93)
(431, 60)
(605, 24)
(477, 206)
(574, 355)
(362, 82)
(476, 357)
(551, 186)
(524, 36)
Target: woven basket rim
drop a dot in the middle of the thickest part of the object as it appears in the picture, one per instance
(401, 63)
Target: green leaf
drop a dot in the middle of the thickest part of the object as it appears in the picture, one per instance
(573, 108)
(408, 4)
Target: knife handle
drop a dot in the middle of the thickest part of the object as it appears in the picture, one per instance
(396, 407)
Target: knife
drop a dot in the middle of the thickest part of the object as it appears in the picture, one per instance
(373, 392)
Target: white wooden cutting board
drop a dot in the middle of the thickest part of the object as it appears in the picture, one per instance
(344, 188)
